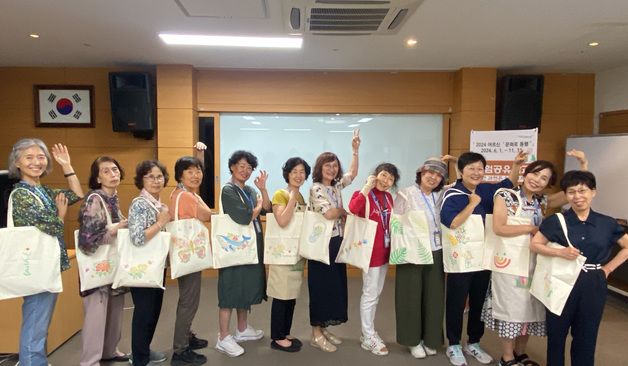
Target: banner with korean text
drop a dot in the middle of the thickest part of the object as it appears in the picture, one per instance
(500, 147)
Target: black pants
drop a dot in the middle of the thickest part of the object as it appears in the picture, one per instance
(147, 303)
(281, 318)
(582, 313)
(459, 285)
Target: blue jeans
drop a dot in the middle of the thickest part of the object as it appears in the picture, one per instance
(36, 315)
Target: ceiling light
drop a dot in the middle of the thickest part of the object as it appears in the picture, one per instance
(34, 35)
(411, 42)
(231, 41)
(593, 44)
(366, 119)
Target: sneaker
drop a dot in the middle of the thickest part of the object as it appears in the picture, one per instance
(374, 344)
(196, 343)
(229, 346)
(418, 351)
(188, 357)
(249, 334)
(157, 357)
(476, 351)
(455, 355)
(429, 351)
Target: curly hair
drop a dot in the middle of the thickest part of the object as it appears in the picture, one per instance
(144, 168)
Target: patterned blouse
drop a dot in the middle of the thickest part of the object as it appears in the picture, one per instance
(323, 198)
(531, 209)
(93, 230)
(142, 214)
(28, 211)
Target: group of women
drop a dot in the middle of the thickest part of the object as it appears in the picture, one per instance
(420, 301)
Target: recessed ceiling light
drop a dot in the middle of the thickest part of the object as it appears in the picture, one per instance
(411, 42)
(232, 41)
(593, 44)
(34, 35)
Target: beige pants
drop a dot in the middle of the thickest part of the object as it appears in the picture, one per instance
(102, 326)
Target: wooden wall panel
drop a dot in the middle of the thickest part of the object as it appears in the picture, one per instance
(179, 92)
(176, 127)
(614, 122)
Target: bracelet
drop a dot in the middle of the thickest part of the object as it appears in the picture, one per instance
(69, 174)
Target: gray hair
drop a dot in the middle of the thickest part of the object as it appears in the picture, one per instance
(16, 154)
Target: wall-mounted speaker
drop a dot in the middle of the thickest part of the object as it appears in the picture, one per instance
(519, 102)
(132, 103)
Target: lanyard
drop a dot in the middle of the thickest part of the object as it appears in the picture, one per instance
(427, 204)
(384, 215)
(42, 194)
(248, 197)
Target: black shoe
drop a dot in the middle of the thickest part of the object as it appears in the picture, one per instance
(188, 357)
(197, 343)
(292, 348)
(296, 342)
(123, 358)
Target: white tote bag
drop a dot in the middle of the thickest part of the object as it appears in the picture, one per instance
(554, 277)
(141, 266)
(315, 236)
(190, 248)
(410, 238)
(232, 244)
(358, 239)
(30, 260)
(99, 268)
(281, 244)
(510, 255)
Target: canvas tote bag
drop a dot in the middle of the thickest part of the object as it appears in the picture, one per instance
(232, 244)
(463, 247)
(281, 244)
(141, 266)
(30, 260)
(99, 268)
(315, 236)
(410, 238)
(510, 255)
(554, 277)
(357, 243)
(190, 249)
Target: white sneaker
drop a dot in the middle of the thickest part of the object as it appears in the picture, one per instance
(456, 358)
(418, 351)
(476, 351)
(374, 344)
(249, 334)
(429, 351)
(229, 346)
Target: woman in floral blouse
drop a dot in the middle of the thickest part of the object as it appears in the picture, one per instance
(102, 307)
(45, 208)
(147, 217)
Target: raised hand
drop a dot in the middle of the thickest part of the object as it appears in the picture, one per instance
(448, 158)
(60, 154)
(580, 156)
(260, 181)
(521, 157)
(199, 146)
(355, 140)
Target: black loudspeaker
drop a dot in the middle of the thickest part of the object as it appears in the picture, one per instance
(132, 103)
(520, 102)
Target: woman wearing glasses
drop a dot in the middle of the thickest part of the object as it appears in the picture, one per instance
(147, 217)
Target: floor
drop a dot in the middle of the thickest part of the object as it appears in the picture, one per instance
(612, 336)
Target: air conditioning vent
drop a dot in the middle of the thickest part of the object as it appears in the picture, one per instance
(347, 17)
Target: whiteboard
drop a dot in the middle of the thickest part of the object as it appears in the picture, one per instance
(608, 160)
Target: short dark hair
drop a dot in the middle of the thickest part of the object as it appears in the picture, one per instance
(94, 170)
(576, 177)
(293, 163)
(324, 158)
(470, 158)
(241, 154)
(539, 165)
(390, 169)
(184, 163)
(146, 166)
(437, 188)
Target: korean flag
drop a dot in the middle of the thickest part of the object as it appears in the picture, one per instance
(64, 106)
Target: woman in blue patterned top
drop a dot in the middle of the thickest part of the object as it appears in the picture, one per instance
(29, 161)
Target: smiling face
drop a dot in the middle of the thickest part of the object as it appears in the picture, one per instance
(384, 180)
(535, 182)
(330, 171)
(241, 171)
(430, 179)
(154, 181)
(472, 174)
(108, 175)
(296, 177)
(192, 178)
(32, 163)
(580, 197)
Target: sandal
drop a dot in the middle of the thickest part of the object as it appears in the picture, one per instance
(322, 343)
(525, 360)
(508, 363)
(332, 338)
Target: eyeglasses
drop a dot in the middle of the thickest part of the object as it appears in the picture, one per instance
(246, 167)
(581, 191)
(152, 178)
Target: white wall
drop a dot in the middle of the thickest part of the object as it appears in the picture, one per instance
(611, 92)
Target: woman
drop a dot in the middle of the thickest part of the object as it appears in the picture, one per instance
(44, 208)
(102, 307)
(420, 289)
(593, 235)
(188, 172)
(509, 308)
(239, 287)
(327, 284)
(147, 217)
(284, 282)
(476, 198)
(380, 202)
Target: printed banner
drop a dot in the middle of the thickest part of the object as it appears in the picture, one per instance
(500, 147)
